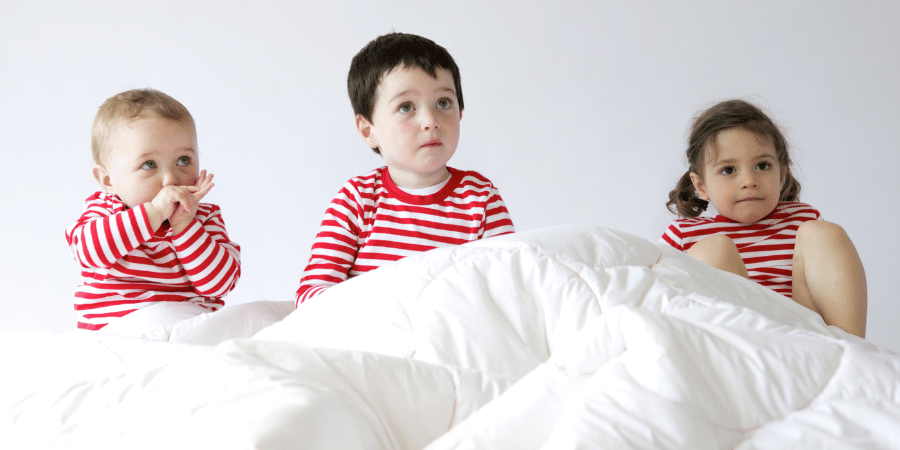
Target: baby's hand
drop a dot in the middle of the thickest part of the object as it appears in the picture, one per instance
(203, 185)
(178, 204)
(184, 213)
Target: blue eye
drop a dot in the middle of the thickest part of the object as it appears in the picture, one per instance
(406, 108)
(444, 103)
(149, 165)
(183, 161)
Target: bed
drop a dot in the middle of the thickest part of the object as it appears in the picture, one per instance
(562, 337)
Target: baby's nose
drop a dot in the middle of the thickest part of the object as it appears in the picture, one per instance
(169, 178)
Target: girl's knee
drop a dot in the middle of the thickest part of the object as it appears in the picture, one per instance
(828, 269)
(720, 252)
(819, 231)
(715, 244)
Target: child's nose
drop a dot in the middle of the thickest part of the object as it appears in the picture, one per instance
(749, 179)
(429, 120)
(169, 178)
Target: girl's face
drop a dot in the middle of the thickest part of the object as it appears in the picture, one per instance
(741, 176)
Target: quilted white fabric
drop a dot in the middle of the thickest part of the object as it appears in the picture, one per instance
(566, 337)
(190, 323)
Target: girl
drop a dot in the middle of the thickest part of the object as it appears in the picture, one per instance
(739, 161)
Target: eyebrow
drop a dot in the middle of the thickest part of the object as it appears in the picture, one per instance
(152, 152)
(411, 91)
(400, 94)
(732, 160)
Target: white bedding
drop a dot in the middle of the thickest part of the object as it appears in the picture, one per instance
(565, 337)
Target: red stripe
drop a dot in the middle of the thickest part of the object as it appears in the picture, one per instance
(386, 233)
(93, 243)
(146, 276)
(467, 209)
(767, 247)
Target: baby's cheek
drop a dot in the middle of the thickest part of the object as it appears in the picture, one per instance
(191, 179)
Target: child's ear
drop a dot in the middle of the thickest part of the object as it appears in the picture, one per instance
(366, 131)
(103, 179)
(699, 186)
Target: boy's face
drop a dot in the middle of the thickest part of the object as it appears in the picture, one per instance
(415, 125)
(146, 154)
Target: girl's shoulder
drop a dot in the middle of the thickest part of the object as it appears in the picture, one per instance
(693, 221)
(799, 210)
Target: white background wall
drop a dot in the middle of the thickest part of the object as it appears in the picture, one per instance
(577, 111)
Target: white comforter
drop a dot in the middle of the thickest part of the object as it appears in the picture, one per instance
(565, 337)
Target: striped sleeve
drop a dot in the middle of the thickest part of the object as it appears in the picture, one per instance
(673, 237)
(211, 260)
(372, 222)
(335, 246)
(105, 233)
(477, 193)
(497, 220)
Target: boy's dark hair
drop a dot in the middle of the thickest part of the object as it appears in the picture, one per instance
(706, 126)
(387, 52)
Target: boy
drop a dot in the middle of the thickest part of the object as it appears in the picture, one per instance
(146, 239)
(406, 94)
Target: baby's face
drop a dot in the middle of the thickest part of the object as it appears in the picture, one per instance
(146, 154)
(415, 125)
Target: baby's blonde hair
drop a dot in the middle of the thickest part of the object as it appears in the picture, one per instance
(132, 105)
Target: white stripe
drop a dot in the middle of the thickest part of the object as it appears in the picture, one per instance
(121, 246)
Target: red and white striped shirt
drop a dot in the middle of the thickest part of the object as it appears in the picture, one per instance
(767, 246)
(126, 266)
(372, 222)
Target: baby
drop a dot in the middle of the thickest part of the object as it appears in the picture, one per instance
(146, 239)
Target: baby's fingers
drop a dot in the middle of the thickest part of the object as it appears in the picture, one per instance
(185, 199)
(202, 186)
(206, 181)
(202, 190)
(205, 178)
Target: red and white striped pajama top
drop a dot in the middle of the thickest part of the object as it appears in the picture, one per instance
(767, 246)
(126, 266)
(372, 222)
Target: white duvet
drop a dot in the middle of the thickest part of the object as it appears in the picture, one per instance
(565, 337)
